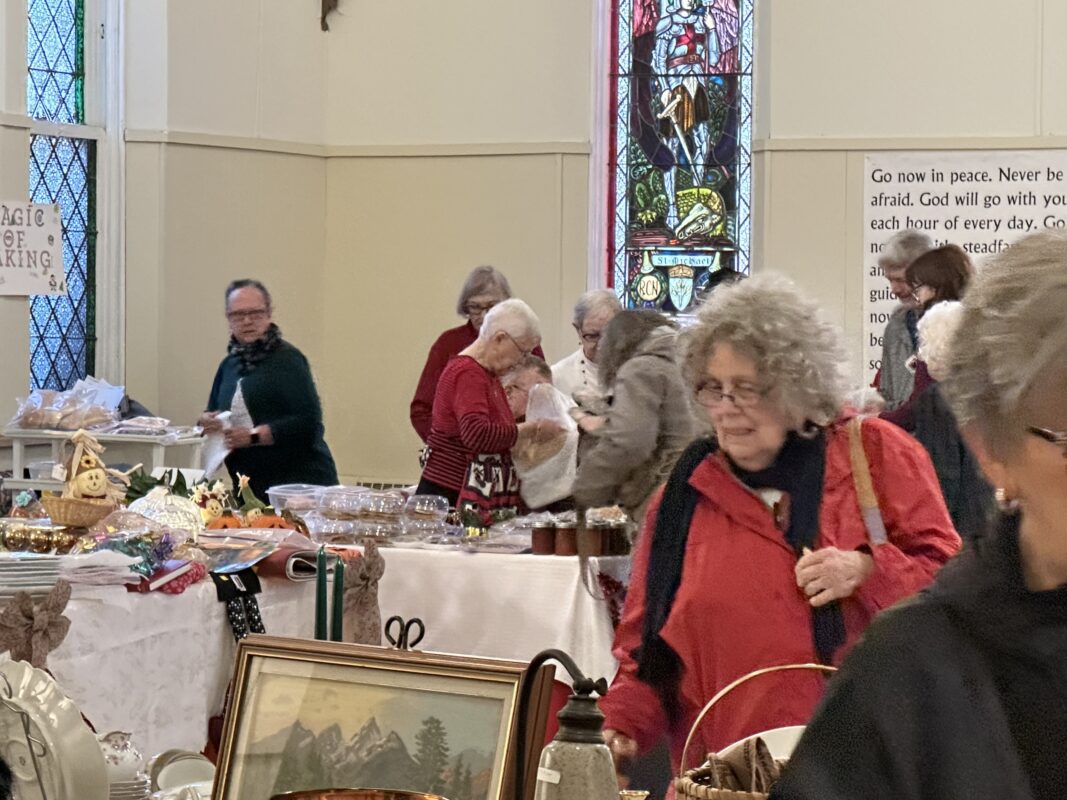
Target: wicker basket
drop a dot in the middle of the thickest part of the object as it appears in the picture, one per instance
(73, 512)
(703, 782)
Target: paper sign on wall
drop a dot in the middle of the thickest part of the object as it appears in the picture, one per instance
(31, 249)
(980, 200)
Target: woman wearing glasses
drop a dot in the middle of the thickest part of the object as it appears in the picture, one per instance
(649, 422)
(484, 288)
(468, 453)
(962, 693)
(756, 553)
(275, 434)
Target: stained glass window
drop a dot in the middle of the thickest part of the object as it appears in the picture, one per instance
(680, 175)
(62, 170)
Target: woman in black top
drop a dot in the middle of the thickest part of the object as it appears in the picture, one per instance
(961, 693)
(266, 380)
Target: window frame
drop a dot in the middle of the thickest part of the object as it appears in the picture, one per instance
(104, 114)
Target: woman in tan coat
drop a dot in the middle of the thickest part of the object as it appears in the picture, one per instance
(649, 423)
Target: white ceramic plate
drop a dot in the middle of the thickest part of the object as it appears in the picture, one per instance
(184, 771)
(69, 757)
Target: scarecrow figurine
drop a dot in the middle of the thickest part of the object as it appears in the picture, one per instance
(211, 499)
(88, 478)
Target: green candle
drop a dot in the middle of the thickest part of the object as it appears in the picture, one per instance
(337, 621)
(320, 594)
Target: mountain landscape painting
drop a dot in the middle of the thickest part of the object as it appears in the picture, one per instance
(319, 733)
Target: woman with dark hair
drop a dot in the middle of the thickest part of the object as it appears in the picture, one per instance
(275, 433)
(938, 275)
(939, 279)
(649, 422)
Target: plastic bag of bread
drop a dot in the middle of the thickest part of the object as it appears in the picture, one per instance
(547, 469)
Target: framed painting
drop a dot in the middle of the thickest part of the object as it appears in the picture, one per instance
(316, 715)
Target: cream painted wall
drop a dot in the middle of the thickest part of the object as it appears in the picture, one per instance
(836, 80)
(216, 215)
(396, 257)
(459, 72)
(14, 155)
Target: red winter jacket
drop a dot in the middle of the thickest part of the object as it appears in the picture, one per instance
(738, 607)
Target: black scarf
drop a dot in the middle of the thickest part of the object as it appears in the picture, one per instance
(252, 354)
(798, 471)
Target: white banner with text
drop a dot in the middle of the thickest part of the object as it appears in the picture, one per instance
(980, 200)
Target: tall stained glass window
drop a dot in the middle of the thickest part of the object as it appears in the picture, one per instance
(62, 169)
(680, 176)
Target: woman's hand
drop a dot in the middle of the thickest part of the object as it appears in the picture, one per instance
(623, 749)
(830, 574)
(236, 438)
(539, 431)
(590, 423)
(209, 421)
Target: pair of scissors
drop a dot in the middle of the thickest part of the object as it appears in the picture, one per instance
(399, 632)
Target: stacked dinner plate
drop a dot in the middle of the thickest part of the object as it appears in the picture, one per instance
(27, 572)
(137, 789)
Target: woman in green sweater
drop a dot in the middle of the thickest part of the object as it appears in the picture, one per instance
(275, 434)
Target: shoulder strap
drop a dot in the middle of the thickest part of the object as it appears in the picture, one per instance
(861, 476)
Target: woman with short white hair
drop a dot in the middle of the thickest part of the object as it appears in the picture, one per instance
(962, 694)
(765, 547)
(484, 288)
(473, 431)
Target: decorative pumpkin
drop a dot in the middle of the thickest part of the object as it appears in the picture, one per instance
(225, 521)
(268, 519)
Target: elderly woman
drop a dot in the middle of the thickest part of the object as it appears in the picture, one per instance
(756, 553)
(961, 694)
(895, 380)
(473, 429)
(275, 432)
(484, 288)
(579, 373)
(649, 423)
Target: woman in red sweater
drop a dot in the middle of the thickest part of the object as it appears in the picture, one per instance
(473, 430)
(484, 288)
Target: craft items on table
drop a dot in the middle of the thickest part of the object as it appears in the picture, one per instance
(212, 500)
(30, 630)
(91, 490)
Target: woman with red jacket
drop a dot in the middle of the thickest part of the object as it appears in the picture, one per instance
(756, 552)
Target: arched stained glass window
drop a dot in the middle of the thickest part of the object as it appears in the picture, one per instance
(62, 169)
(680, 169)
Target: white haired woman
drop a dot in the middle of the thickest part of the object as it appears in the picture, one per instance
(579, 373)
(473, 430)
(756, 552)
(484, 288)
(962, 694)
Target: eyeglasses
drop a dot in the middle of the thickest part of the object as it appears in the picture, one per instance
(1058, 438)
(475, 309)
(524, 353)
(741, 396)
(254, 315)
(590, 338)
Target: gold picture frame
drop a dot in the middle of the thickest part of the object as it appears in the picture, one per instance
(343, 716)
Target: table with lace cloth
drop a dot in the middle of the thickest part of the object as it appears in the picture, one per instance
(157, 665)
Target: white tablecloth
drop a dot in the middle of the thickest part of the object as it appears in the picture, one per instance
(157, 665)
(503, 606)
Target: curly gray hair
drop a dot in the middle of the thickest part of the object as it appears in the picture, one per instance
(797, 353)
(1010, 348)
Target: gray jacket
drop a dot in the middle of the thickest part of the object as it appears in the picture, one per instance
(649, 425)
(897, 381)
